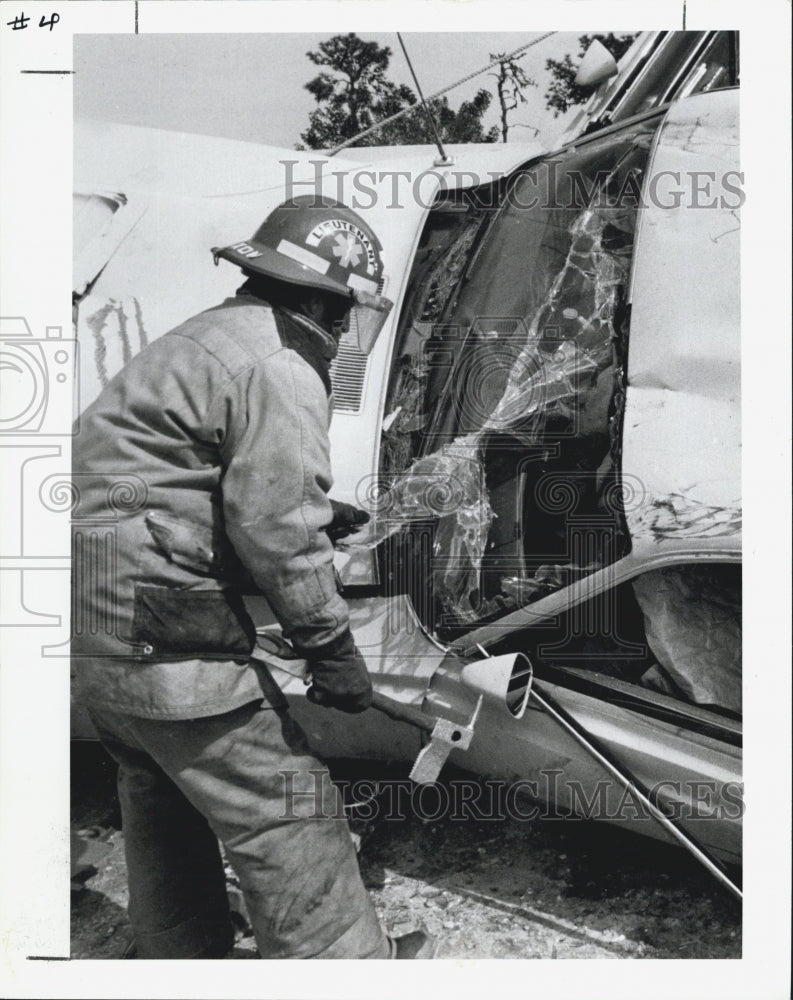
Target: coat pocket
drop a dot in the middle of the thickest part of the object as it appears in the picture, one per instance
(203, 624)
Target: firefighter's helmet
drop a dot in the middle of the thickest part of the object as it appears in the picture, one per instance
(318, 242)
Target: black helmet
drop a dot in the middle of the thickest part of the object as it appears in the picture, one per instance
(319, 243)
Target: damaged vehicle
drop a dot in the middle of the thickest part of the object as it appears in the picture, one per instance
(560, 459)
(547, 438)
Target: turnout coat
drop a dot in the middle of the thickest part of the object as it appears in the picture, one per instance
(200, 473)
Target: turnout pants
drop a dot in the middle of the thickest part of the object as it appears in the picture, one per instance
(248, 779)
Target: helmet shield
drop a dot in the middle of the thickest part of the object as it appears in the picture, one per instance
(368, 316)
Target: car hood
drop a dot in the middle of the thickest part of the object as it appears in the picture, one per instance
(681, 455)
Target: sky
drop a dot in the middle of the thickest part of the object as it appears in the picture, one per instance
(252, 86)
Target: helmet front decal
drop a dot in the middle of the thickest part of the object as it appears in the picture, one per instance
(350, 245)
(348, 250)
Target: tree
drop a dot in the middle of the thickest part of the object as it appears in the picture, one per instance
(353, 93)
(563, 92)
(511, 81)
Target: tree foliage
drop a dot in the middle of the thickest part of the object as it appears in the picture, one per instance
(353, 93)
(462, 125)
(563, 92)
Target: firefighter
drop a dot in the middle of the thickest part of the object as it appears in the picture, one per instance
(201, 473)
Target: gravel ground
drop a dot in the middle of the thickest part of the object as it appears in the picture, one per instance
(491, 889)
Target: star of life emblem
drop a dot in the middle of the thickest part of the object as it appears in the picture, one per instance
(348, 250)
(351, 246)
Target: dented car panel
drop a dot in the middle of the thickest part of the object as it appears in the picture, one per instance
(684, 384)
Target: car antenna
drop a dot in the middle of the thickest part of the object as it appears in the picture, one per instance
(443, 159)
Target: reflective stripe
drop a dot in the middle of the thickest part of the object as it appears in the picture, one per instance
(303, 256)
(361, 284)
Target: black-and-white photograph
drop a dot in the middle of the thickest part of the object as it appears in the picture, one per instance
(403, 492)
(535, 509)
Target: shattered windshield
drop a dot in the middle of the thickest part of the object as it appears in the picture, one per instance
(501, 432)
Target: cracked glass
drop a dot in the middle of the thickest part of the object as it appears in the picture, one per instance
(501, 434)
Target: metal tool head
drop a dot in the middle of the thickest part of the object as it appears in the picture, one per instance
(446, 736)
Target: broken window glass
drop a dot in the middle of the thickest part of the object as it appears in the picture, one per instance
(502, 420)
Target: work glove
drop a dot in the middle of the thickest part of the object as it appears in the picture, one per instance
(339, 678)
(346, 520)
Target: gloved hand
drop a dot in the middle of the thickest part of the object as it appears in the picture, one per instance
(338, 674)
(346, 520)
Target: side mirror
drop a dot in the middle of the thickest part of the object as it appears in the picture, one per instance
(504, 680)
(597, 65)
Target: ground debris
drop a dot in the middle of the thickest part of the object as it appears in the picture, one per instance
(612, 895)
